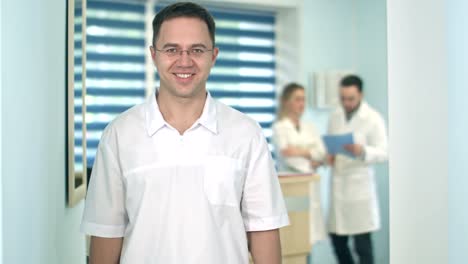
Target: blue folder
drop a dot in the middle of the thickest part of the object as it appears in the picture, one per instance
(335, 143)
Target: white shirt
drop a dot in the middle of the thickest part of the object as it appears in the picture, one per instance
(307, 137)
(187, 198)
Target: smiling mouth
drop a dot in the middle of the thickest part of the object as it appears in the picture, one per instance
(183, 75)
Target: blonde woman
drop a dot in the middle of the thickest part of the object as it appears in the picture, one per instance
(299, 148)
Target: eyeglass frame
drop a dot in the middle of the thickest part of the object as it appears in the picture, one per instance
(179, 52)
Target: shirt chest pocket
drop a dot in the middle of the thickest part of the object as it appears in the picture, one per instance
(223, 180)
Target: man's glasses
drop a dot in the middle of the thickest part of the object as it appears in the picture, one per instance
(177, 52)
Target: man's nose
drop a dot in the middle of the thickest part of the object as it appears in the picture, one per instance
(185, 59)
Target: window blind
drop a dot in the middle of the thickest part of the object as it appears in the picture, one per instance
(115, 68)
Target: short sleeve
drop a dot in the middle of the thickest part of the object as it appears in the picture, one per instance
(262, 204)
(104, 214)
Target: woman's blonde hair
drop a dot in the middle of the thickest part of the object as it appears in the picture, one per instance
(288, 90)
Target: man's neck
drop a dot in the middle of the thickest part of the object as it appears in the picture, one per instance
(350, 114)
(181, 113)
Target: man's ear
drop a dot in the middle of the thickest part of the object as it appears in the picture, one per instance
(153, 52)
(214, 56)
(153, 55)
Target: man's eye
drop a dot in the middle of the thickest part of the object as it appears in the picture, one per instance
(171, 50)
(197, 51)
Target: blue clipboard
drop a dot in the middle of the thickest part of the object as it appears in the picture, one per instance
(335, 143)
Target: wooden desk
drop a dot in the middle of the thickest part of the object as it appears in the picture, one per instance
(295, 239)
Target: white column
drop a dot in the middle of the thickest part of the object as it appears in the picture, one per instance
(418, 131)
(1, 150)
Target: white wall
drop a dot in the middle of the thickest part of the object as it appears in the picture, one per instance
(1, 149)
(418, 131)
(328, 35)
(288, 42)
(458, 129)
(37, 226)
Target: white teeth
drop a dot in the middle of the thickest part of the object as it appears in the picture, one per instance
(180, 75)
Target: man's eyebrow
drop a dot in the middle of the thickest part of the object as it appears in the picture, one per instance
(174, 45)
(169, 45)
(199, 45)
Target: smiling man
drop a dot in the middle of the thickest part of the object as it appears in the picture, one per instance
(183, 178)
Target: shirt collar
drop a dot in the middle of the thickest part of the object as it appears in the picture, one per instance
(208, 116)
(363, 109)
(155, 120)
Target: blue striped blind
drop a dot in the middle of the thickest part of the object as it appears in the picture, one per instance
(115, 68)
(244, 74)
(243, 77)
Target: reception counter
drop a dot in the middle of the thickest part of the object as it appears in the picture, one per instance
(295, 238)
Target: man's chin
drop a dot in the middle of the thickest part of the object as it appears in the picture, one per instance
(351, 110)
(187, 92)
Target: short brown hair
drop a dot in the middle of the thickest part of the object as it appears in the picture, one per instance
(183, 9)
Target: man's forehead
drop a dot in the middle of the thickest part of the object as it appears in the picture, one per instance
(189, 22)
(299, 95)
(184, 28)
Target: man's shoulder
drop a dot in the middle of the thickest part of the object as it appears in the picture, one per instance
(129, 119)
(135, 113)
(231, 118)
(373, 113)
